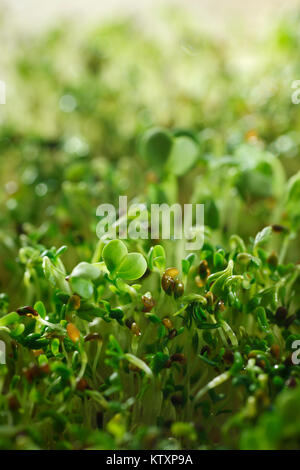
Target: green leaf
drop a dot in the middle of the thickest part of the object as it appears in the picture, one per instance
(18, 330)
(55, 346)
(153, 318)
(159, 361)
(263, 236)
(10, 318)
(82, 287)
(40, 308)
(86, 271)
(185, 265)
(155, 146)
(157, 257)
(183, 156)
(54, 275)
(113, 254)
(208, 361)
(121, 264)
(133, 267)
(186, 430)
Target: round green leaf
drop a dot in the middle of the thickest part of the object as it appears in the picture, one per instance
(82, 287)
(133, 267)
(183, 156)
(114, 253)
(155, 147)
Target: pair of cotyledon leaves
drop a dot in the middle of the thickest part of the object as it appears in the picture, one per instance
(117, 261)
(165, 152)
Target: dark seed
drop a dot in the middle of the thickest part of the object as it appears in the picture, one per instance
(92, 337)
(172, 333)
(81, 385)
(178, 358)
(168, 364)
(291, 382)
(177, 400)
(27, 311)
(273, 259)
(228, 356)
(148, 303)
(34, 372)
(135, 329)
(279, 228)
(281, 314)
(129, 322)
(167, 323)
(168, 284)
(205, 349)
(172, 272)
(275, 351)
(203, 269)
(178, 289)
(261, 363)
(13, 403)
(288, 360)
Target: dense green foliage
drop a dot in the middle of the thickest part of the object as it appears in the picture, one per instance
(140, 344)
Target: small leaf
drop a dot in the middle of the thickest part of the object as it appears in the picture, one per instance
(86, 271)
(157, 257)
(155, 146)
(9, 319)
(82, 287)
(54, 275)
(40, 308)
(184, 155)
(133, 267)
(55, 346)
(113, 254)
(185, 265)
(263, 236)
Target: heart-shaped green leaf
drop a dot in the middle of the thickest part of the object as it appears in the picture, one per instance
(133, 267)
(113, 254)
(183, 156)
(155, 146)
(121, 264)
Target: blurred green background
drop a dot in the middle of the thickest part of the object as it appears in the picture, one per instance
(84, 83)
